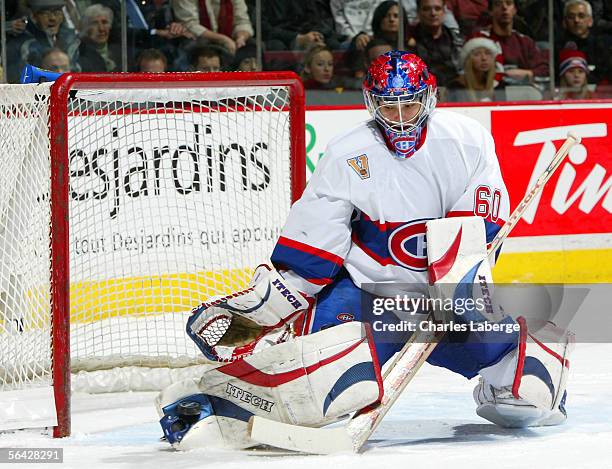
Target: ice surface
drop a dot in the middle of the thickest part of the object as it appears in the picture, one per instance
(432, 425)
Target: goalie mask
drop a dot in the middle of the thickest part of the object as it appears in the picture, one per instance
(400, 94)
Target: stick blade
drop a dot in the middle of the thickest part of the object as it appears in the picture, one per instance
(298, 438)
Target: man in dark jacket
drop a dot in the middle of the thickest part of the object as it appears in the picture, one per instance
(45, 30)
(438, 45)
(520, 58)
(297, 24)
(578, 34)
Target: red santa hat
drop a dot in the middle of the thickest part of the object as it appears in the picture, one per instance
(571, 58)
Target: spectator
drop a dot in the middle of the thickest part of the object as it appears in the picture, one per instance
(16, 26)
(520, 59)
(246, 59)
(45, 29)
(375, 48)
(577, 20)
(297, 25)
(151, 61)
(385, 24)
(385, 27)
(206, 59)
(577, 34)
(56, 60)
(478, 81)
(411, 10)
(96, 53)
(76, 10)
(165, 34)
(318, 70)
(602, 15)
(532, 18)
(573, 73)
(472, 15)
(354, 17)
(438, 45)
(224, 23)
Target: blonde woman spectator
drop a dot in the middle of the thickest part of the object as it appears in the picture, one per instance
(477, 83)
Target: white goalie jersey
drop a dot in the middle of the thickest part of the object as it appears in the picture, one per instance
(365, 210)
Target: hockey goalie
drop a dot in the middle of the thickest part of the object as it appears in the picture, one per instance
(298, 345)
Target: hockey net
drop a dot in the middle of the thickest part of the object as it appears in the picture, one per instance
(141, 195)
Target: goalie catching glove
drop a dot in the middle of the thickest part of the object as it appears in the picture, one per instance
(228, 327)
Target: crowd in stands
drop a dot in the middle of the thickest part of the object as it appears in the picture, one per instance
(477, 49)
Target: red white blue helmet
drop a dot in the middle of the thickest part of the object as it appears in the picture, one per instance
(395, 79)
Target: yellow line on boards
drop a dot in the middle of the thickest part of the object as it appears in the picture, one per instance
(577, 266)
(140, 296)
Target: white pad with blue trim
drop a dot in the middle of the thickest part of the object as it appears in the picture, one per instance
(527, 388)
(311, 380)
(458, 265)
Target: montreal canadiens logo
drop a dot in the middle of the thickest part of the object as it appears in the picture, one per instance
(402, 144)
(345, 317)
(408, 247)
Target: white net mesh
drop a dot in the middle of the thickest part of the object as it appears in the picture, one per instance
(176, 195)
(25, 316)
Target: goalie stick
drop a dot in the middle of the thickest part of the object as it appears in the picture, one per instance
(353, 435)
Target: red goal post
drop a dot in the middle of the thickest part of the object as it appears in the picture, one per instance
(164, 189)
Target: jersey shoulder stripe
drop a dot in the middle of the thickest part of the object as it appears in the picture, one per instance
(312, 264)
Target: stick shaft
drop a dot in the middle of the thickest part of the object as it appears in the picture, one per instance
(531, 194)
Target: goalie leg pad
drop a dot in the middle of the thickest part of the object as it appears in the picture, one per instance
(311, 380)
(528, 387)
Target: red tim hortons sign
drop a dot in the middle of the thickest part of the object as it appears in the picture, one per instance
(578, 198)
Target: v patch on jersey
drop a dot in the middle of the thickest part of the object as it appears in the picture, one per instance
(360, 166)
